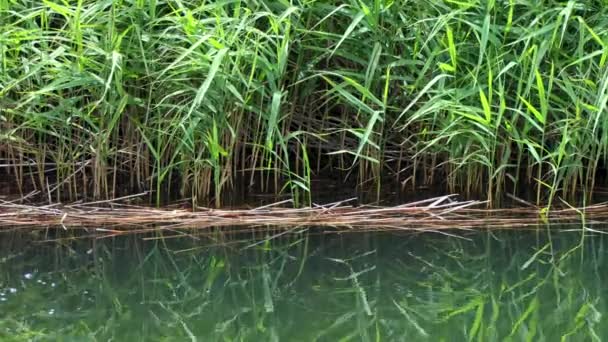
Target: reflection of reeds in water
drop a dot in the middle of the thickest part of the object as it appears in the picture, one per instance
(492, 286)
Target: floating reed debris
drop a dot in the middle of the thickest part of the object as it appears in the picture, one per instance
(439, 213)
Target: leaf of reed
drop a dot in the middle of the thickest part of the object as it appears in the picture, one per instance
(452, 47)
(63, 10)
(366, 135)
(533, 110)
(486, 107)
(373, 65)
(485, 34)
(424, 90)
(348, 96)
(363, 90)
(541, 95)
(273, 118)
(473, 117)
(349, 30)
(185, 54)
(202, 91)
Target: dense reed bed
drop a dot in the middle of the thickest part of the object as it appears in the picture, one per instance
(103, 98)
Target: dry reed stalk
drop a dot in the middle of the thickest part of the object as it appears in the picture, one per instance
(440, 213)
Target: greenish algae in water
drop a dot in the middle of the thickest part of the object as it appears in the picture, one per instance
(484, 286)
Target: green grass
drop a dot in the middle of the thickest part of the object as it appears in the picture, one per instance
(480, 97)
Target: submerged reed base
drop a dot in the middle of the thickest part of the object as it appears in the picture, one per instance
(434, 214)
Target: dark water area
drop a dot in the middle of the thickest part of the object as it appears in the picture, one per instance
(484, 286)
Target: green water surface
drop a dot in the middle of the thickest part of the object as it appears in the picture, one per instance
(483, 286)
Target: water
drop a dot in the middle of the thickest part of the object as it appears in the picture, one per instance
(384, 287)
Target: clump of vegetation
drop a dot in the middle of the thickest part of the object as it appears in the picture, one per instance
(478, 96)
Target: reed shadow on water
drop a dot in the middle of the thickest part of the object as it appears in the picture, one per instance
(507, 285)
